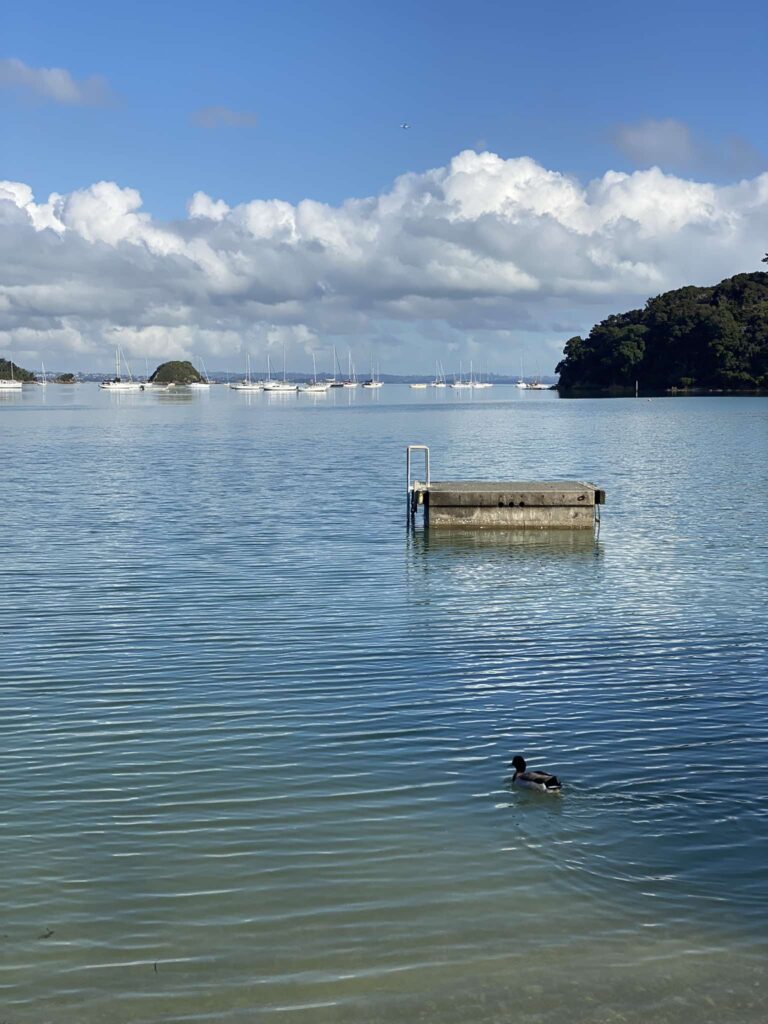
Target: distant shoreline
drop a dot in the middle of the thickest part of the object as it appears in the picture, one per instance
(660, 392)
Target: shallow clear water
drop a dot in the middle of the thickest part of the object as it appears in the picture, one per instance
(254, 734)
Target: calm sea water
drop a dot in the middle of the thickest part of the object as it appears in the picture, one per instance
(255, 734)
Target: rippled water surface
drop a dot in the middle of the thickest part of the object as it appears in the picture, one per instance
(255, 735)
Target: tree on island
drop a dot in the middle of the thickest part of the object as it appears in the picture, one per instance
(176, 372)
(711, 338)
(65, 378)
(10, 371)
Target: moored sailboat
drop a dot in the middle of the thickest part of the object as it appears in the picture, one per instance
(351, 381)
(439, 381)
(479, 383)
(314, 386)
(279, 387)
(336, 381)
(459, 383)
(246, 384)
(10, 383)
(201, 384)
(373, 382)
(117, 383)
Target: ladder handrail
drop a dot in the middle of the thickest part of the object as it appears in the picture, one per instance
(416, 448)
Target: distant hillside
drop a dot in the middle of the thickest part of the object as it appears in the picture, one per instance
(177, 372)
(9, 370)
(710, 338)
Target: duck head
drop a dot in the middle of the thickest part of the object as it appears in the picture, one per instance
(518, 763)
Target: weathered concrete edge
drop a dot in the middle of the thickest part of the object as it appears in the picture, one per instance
(526, 518)
(510, 494)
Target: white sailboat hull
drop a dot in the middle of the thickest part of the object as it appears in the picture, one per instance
(121, 385)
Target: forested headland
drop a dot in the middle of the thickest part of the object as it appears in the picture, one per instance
(10, 371)
(711, 339)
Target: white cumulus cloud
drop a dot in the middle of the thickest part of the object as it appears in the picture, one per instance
(484, 255)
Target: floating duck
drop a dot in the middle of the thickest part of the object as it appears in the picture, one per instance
(545, 782)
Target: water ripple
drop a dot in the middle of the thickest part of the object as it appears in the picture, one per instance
(255, 736)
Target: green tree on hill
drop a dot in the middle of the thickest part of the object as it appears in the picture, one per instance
(9, 370)
(176, 372)
(714, 338)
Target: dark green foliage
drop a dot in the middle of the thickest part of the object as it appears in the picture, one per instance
(18, 373)
(179, 372)
(65, 378)
(713, 338)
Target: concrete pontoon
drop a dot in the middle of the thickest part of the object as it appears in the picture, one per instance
(509, 504)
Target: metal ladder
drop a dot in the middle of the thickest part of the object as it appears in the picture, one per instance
(413, 496)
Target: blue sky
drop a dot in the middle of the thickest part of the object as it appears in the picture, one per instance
(330, 83)
(293, 100)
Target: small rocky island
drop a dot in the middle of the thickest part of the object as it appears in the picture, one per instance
(177, 372)
(690, 339)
